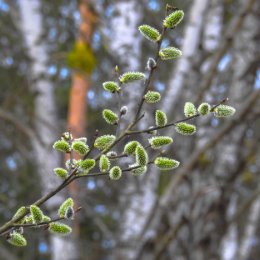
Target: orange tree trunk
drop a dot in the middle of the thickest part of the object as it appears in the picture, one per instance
(80, 82)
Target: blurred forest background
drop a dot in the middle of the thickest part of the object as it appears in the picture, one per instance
(54, 56)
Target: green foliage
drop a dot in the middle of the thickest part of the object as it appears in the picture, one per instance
(17, 239)
(185, 129)
(104, 163)
(115, 173)
(164, 163)
(62, 146)
(80, 147)
(81, 58)
(189, 109)
(37, 214)
(149, 33)
(170, 53)
(60, 172)
(64, 206)
(173, 19)
(224, 111)
(110, 117)
(152, 97)
(59, 228)
(111, 86)
(160, 118)
(141, 156)
(130, 147)
(204, 109)
(158, 142)
(104, 141)
(129, 77)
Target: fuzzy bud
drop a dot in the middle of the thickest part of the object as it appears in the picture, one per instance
(70, 164)
(224, 111)
(69, 213)
(173, 19)
(81, 139)
(80, 147)
(151, 64)
(123, 110)
(138, 171)
(20, 230)
(67, 136)
(189, 109)
(46, 218)
(152, 132)
(59, 228)
(63, 207)
(141, 156)
(87, 165)
(61, 146)
(17, 239)
(60, 172)
(112, 154)
(204, 109)
(110, 117)
(111, 86)
(185, 129)
(164, 163)
(104, 163)
(160, 118)
(115, 173)
(20, 212)
(149, 33)
(37, 215)
(152, 97)
(170, 53)
(130, 147)
(104, 141)
(158, 141)
(129, 77)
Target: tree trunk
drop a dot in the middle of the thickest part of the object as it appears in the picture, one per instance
(45, 118)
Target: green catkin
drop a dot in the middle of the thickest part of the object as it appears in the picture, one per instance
(104, 141)
(164, 163)
(63, 207)
(170, 53)
(130, 147)
(61, 146)
(80, 147)
(20, 212)
(152, 97)
(158, 142)
(173, 19)
(189, 109)
(60, 172)
(204, 109)
(59, 228)
(109, 116)
(141, 156)
(149, 33)
(138, 171)
(111, 86)
(185, 129)
(87, 164)
(104, 163)
(160, 118)
(37, 214)
(129, 77)
(224, 111)
(17, 239)
(115, 173)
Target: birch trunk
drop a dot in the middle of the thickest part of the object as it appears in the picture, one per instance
(45, 117)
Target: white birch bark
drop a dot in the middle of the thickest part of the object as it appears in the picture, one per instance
(45, 117)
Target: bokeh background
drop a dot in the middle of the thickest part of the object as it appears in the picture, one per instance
(54, 56)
